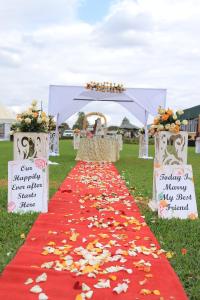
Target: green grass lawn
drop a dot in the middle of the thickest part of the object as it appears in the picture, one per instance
(173, 235)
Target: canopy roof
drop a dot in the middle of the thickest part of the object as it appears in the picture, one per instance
(6, 115)
(67, 100)
(191, 113)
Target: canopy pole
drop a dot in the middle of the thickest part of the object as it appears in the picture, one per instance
(57, 118)
(56, 141)
(146, 136)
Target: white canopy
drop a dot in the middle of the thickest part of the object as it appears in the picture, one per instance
(64, 101)
(67, 100)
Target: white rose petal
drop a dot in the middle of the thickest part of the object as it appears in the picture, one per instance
(41, 278)
(47, 265)
(28, 281)
(91, 275)
(43, 296)
(85, 287)
(88, 295)
(102, 284)
(114, 269)
(121, 287)
(36, 289)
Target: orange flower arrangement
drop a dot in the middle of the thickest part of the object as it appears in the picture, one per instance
(165, 117)
(32, 120)
(167, 120)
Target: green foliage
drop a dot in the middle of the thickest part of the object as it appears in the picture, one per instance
(63, 127)
(79, 122)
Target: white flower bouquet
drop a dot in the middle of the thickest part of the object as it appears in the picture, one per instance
(32, 120)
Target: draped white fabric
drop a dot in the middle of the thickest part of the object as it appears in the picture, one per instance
(150, 99)
(67, 100)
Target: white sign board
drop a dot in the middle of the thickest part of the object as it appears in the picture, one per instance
(28, 185)
(175, 192)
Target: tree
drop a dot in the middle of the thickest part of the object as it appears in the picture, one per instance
(62, 127)
(113, 127)
(79, 122)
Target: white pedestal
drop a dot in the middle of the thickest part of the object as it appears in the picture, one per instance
(170, 149)
(31, 145)
(120, 141)
(53, 143)
(197, 145)
(76, 140)
(142, 146)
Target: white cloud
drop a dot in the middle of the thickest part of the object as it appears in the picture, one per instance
(139, 43)
(27, 15)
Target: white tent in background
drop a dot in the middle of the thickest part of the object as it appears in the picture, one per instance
(7, 117)
(64, 101)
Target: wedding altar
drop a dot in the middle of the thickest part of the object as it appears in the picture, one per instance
(98, 149)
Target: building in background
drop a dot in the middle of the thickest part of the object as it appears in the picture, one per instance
(193, 116)
(129, 129)
(7, 117)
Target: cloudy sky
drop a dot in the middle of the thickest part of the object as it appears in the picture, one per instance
(141, 43)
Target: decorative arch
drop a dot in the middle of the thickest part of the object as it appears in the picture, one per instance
(85, 121)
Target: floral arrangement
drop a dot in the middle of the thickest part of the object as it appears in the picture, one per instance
(105, 87)
(52, 124)
(32, 120)
(168, 120)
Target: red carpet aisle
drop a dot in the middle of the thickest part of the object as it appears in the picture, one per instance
(93, 244)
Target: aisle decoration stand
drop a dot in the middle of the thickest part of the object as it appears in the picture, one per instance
(76, 138)
(28, 182)
(197, 141)
(142, 143)
(53, 137)
(197, 145)
(170, 148)
(119, 138)
(30, 132)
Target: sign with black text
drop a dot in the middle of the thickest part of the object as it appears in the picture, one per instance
(175, 192)
(28, 185)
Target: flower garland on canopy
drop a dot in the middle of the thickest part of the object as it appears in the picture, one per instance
(168, 120)
(33, 120)
(105, 87)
